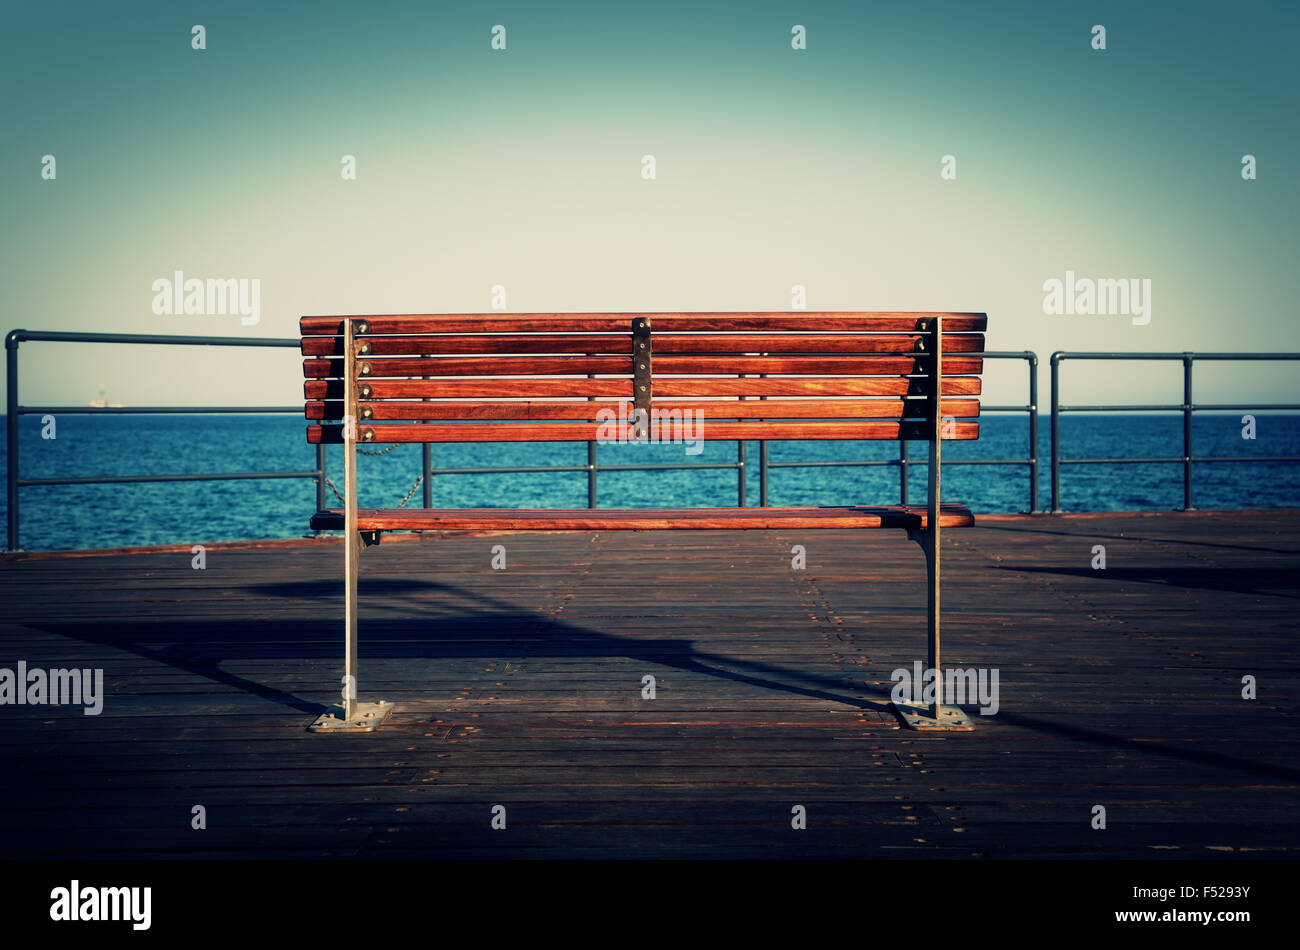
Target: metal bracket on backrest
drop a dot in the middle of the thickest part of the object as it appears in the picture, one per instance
(642, 378)
(932, 345)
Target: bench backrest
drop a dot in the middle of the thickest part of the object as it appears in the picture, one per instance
(502, 377)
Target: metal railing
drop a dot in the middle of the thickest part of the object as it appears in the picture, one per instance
(1187, 407)
(14, 410)
(592, 468)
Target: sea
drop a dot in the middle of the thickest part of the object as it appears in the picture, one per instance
(82, 516)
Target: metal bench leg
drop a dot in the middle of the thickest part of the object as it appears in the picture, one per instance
(350, 715)
(933, 715)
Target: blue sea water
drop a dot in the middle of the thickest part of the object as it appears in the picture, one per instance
(89, 516)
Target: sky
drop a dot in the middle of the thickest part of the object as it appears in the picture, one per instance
(523, 168)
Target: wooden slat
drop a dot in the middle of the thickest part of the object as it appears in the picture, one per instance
(769, 343)
(585, 432)
(795, 386)
(487, 366)
(611, 343)
(475, 366)
(582, 343)
(640, 519)
(712, 409)
(670, 386)
(760, 321)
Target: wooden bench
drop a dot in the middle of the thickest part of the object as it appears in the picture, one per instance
(547, 378)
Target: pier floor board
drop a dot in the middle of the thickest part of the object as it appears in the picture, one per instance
(1118, 687)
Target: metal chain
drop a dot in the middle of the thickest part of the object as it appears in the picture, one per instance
(401, 504)
(342, 500)
(381, 451)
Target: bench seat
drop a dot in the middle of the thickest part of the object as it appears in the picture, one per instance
(640, 519)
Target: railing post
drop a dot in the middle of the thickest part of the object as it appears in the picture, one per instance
(1187, 432)
(740, 473)
(426, 463)
(1056, 433)
(1032, 358)
(762, 473)
(320, 477)
(11, 427)
(903, 463)
(591, 454)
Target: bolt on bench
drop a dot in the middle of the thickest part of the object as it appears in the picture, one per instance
(561, 377)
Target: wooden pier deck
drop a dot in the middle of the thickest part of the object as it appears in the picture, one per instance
(1118, 687)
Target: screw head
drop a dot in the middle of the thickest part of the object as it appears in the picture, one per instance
(365, 369)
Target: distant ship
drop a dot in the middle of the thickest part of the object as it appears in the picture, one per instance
(103, 403)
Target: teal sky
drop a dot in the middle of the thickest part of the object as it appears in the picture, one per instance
(522, 168)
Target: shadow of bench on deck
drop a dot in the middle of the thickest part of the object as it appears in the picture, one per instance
(493, 629)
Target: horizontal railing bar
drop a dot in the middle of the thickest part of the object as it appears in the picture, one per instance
(909, 462)
(1195, 407)
(115, 479)
(666, 467)
(152, 410)
(1180, 460)
(505, 470)
(577, 468)
(53, 336)
(1229, 407)
(947, 462)
(1174, 408)
(1246, 458)
(1057, 357)
(297, 410)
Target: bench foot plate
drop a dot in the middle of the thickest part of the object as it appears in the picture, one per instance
(368, 715)
(918, 717)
